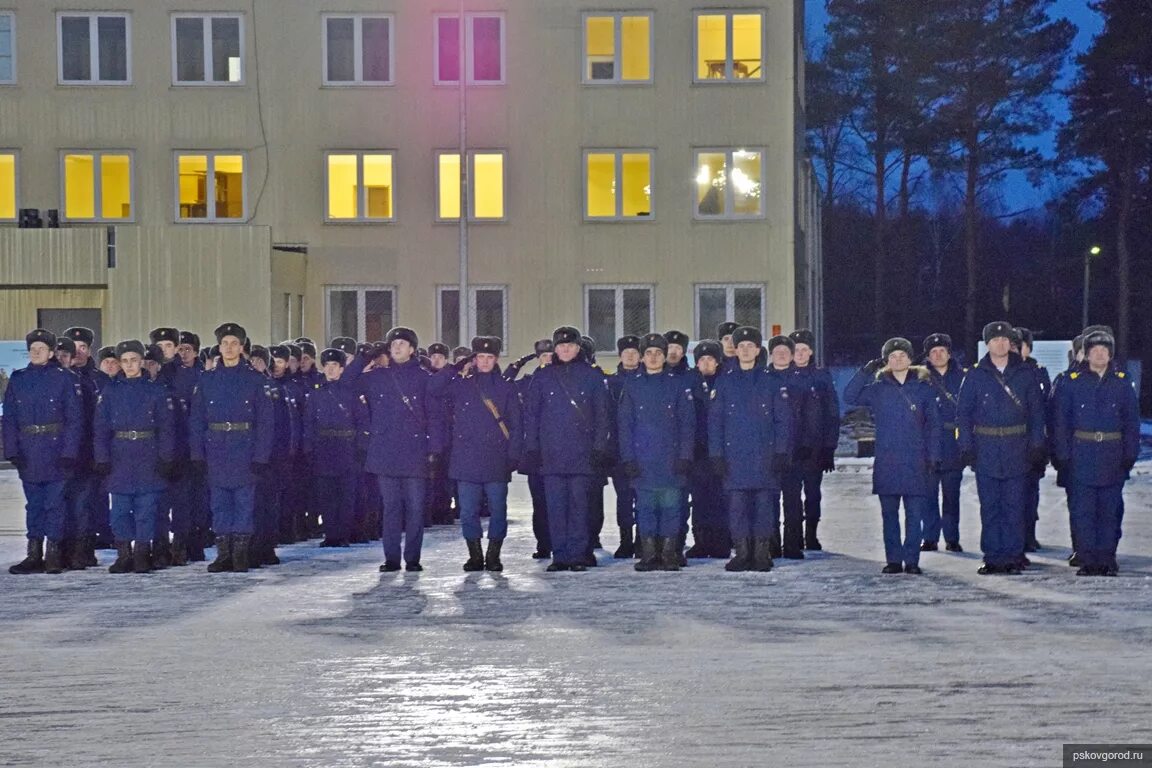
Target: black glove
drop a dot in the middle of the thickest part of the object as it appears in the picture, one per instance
(601, 461)
(874, 365)
(460, 364)
(531, 462)
(968, 458)
(365, 352)
(435, 465)
(66, 463)
(803, 453)
(523, 361)
(932, 467)
(102, 468)
(781, 463)
(169, 470)
(1058, 464)
(1038, 457)
(828, 459)
(1128, 464)
(513, 466)
(260, 468)
(682, 467)
(630, 470)
(1062, 476)
(718, 465)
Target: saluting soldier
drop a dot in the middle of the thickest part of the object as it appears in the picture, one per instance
(1097, 443)
(231, 432)
(657, 424)
(567, 432)
(1000, 416)
(750, 441)
(43, 427)
(817, 433)
(907, 417)
(710, 536)
(628, 350)
(486, 443)
(942, 512)
(135, 448)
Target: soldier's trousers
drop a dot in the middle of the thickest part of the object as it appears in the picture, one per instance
(540, 513)
(568, 500)
(181, 498)
(802, 496)
(709, 517)
(658, 512)
(403, 519)
(946, 496)
(906, 552)
(45, 510)
(625, 501)
(1031, 506)
(335, 500)
(1096, 512)
(1001, 518)
(134, 516)
(472, 496)
(77, 504)
(233, 510)
(99, 510)
(753, 513)
(596, 509)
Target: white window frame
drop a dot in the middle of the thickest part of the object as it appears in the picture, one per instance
(617, 19)
(467, 333)
(361, 307)
(94, 46)
(15, 153)
(207, 52)
(728, 14)
(609, 345)
(358, 80)
(211, 155)
(362, 199)
(619, 155)
(471, 176)
(729, 213)
(469, 63)
(729, 301)
(97, 177)
(11, 16)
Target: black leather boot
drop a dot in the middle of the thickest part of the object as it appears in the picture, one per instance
(743, 558)
(142, 557)
(161, 553)
(671, 553)
(240, 544)
(223, 561)
(810, 540)
(53, 562)
(179, 550)
(492, 559)
(649, 555)
(34, 562)
(475, 556)
(124, 560)
(627, 546)
(762, 555)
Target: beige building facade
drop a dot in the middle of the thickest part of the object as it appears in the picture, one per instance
(295, 167)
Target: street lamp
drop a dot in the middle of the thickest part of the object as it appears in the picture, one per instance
(1093, 251)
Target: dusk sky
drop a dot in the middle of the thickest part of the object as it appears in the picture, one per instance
(1018, 193)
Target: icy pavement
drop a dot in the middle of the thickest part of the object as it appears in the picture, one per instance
(322, 661)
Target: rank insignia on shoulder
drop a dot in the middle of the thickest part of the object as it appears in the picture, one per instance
(363, 399)
(1074, 375)
(1121, 374)
(316, 386)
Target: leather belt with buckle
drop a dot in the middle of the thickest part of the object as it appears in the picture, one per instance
(1098, 437)
(230, 426)
(1018, 429)
(344, 433)
(41, 429)
(136, 434)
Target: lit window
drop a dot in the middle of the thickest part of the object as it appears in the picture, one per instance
(207, 49)
(729, 46)
(483, 49)
(487, 313)
(7, 47)
(487, 192)
(8, 205)
(358, 50)
(94, 48)
(97, 186)
(612, 311)
(618, 184)
(360, 312)
(360, 186)
(618, 48)
(729, 183)
(197, 199)
(716, 304)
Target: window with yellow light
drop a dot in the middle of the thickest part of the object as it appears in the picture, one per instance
(8, 203)
(729, 46)
(486, 191)
(618, 48)
(618, 184)
(223, 199)
(360, 186)
(97, 186)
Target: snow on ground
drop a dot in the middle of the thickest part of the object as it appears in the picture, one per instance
(323, 661)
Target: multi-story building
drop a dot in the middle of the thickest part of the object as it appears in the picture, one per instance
(296, 166)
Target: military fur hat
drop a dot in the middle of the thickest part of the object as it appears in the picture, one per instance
(748, 333)
(677, 337)
(132, 345)
(345, 344)
(780, 341)
(937, 340)
(214, 350)
(231, 329)
(542, 347)
(489, 345)
(460, 352)
(709, 348)
(153, 353)
(304, 340)
(1025, 336)
(656, 340)
(66, 344)
(803, 336)
(726, 329)
(401, 333)
(565, 334)
(308, 348)
(191, 339)
(261, 353)
(40, 335)
(588, 346)
(78, 333)
(1105, 328)
(279, 352)
(157, 335)
(106, 353)
(998, 329)
(1100, 339)
(333, 355)
(381, 348)
(294, 351)
(896, 345)
(247, 346)
(627, 342)
(1078, 344)
(439, 348)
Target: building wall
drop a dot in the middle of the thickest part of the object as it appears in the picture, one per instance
(285, 119)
